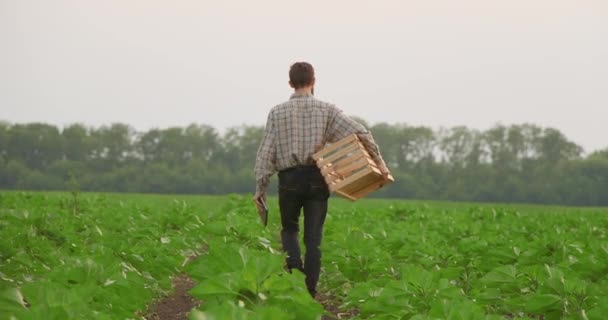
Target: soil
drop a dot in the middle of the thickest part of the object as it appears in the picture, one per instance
(178, 304)
(332, 306)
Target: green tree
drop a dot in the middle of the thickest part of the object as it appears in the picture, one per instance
(36, 145)
(77, 144)
(112, 145)
(504, 163)
(554, 147)
(4, 136)
(147, 145)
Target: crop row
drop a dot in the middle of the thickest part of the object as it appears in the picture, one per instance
(108, 256)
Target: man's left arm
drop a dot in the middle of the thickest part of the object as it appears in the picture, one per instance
(344, 125)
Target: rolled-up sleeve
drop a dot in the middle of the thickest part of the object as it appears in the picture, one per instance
(265, 164)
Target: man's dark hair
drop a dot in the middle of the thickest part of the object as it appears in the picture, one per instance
(301, 74)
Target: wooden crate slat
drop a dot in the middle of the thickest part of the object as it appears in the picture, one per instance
(364, 161)
(346, 160)
(376, 170)
(354, 155)
(335, 166)
(339, 166)
(351, 179)
(362, 148)
(334, 146)
(360, 182)
(338, 154)
(373, 183)
(332, 178)
(345, 195)
(357, 164)
(363, 192)
(373, 187)
(328, 165)
(375, 179)
(328, 150)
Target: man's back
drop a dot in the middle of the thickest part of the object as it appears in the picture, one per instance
(298, 128)
(302, 124)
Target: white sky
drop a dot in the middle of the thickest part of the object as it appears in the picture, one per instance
(224, 63)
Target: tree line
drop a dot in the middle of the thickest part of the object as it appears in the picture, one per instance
(516, 163)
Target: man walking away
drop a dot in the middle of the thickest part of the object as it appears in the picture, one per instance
(294, 131)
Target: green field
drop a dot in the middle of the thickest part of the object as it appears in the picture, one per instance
(107, 256)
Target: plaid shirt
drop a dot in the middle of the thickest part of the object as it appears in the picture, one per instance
(296, 129)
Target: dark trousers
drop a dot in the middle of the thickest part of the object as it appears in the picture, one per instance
(303, 188)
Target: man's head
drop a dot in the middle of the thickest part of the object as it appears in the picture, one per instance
(301, 75)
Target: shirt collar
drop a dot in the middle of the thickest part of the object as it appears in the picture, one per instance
(299, 95)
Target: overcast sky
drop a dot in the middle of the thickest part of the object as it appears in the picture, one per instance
(225, 63)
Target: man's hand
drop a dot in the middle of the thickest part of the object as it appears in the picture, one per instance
(257, 203)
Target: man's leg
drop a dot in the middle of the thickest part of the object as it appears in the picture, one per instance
(315, 210)
(290, 204)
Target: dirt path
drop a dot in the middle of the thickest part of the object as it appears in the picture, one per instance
(178, 304)
(332, 305)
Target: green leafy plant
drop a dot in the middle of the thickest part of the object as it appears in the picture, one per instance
(381, 259)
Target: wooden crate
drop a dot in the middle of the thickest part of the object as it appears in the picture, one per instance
(349, 170)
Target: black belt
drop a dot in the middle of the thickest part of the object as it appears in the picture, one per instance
(300, 167)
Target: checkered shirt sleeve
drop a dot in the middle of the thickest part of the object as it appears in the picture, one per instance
(265, 165)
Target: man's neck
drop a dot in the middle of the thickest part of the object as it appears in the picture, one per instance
(303, 91)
